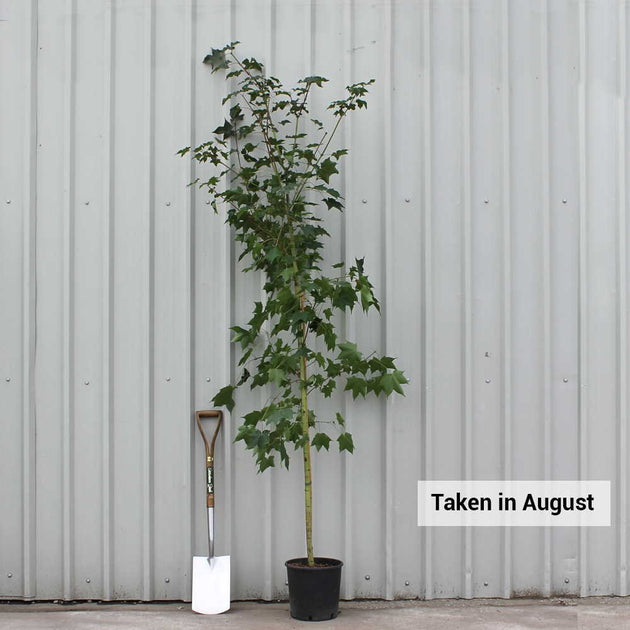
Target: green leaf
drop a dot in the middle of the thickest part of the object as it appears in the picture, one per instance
(318, 81)
(384, 362)
(367, 297)
(243, 430)
(273, 254)
(326, 169)
(328, 388)
(349, 352)
(399, 379)
(344, 297)
(314, 325)
(328, 332)
(252, 418)
(386, 384)
(224, 397)
(277, 415)
(240, 335)
(345, 442)
(333, 203)
(265, 462)
(226, 130)
(357, 385)
(340, 419)
(244, 377)
(276, 375)
(287, 274)
(284, 456)
(236, 113)
(320, 440)
(216, 59)
(251, 438)
(391, 382)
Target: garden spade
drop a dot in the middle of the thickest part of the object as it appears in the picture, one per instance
(211, 574)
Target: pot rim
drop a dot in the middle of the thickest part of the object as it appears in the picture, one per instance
(298, 566)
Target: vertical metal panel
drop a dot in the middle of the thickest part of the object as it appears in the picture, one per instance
(486, 187)
(328, 468)
(582, 290)
(132, 236)
(527, 304)
(68, 297)
(546, 273)
(364, 232)
(466, 280)
(147, 239)
(487, 208)
(171, 341)
(622, 279)
(447, 260)
(29, 314)
(426, 372)
(625, 318)
(506, 285)
(90, 237)
(387, 245)
(601, 316)
(106, 318)
(212, 293)
(253, 24)
(403, 319)
(273, 24)
(563, 53)
(17, 116)
(348, 39)
(51, 449)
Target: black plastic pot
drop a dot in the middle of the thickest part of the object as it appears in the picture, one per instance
(314, 591)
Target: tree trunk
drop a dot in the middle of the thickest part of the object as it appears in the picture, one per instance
(308, 475)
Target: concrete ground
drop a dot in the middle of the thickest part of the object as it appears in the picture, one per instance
(597, 613)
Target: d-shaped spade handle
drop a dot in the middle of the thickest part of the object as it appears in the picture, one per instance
(209, 413)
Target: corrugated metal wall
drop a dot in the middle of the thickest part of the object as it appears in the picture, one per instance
(486, 186)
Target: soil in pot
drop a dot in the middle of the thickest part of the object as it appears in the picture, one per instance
(314, 591)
